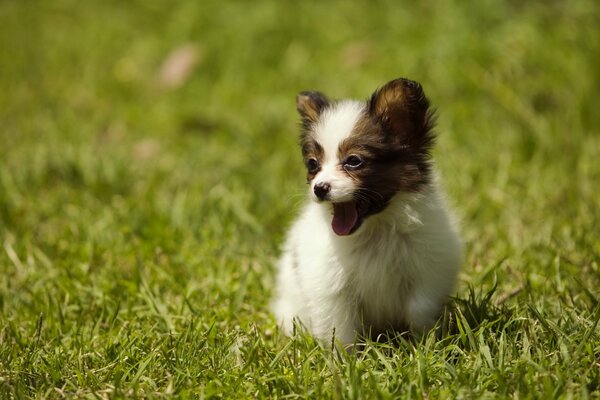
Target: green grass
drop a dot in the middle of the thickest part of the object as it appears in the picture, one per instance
(140, 224)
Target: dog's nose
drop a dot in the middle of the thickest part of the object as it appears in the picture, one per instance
(321, 190)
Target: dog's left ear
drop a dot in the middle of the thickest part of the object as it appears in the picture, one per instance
(310, 105)
(402, 107)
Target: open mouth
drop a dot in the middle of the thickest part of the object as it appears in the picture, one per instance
(346, 218)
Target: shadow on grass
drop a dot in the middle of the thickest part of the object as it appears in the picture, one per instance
(475, 311)
(462, 320)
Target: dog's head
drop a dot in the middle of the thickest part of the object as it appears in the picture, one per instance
(360, 154)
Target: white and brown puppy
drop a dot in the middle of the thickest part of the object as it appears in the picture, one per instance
(376, 248)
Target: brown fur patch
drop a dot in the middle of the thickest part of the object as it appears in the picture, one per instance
(394, 138)
(402, 108)
(311, 149)
(310, 105)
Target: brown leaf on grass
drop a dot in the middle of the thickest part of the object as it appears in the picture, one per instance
(145, 149)
(178, 66)
(356, 54)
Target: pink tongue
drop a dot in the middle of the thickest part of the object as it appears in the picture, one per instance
(344, 217)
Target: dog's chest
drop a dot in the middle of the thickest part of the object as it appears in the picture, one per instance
(379, 274)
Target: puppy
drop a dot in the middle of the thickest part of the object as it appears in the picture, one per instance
(375, 249)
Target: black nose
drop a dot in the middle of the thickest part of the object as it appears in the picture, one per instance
(321, 190)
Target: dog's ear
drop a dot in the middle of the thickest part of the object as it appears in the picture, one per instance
(310, 105)
(401, 106)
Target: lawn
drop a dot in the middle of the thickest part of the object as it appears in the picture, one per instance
(149, 169)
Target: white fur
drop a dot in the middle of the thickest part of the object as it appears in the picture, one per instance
(334, 126)
(398, 267)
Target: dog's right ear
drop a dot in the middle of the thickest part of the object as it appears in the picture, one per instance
(310, 105)
(401, 106)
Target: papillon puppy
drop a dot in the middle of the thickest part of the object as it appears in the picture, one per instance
(375, 249)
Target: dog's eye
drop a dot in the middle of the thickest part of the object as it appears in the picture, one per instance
(353, 162)
(313, 165)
